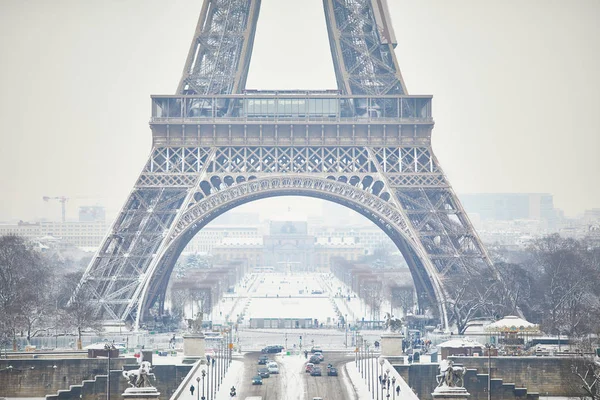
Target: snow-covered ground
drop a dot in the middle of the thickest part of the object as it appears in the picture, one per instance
(291, 371)
(361, 385)
(292, 307)
(233, 377)
(355, 307)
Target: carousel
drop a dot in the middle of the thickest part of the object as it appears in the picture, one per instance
(511, 334)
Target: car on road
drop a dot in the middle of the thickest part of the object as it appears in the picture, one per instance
(314, 359)
(316, 371)
(263, 372)
(272, 349)
(263, 360)
(320, 355)
(309, 367)
(314, 349)
(256, 380)
(332, 372)
(273, 367)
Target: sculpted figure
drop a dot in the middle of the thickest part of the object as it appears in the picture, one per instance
(392, 324)
(450, 375)
(195, 324)
(141, 377)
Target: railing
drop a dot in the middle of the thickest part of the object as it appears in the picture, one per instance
(290, 108)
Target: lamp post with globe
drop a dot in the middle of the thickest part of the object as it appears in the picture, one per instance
(387, 383)
(203, 375)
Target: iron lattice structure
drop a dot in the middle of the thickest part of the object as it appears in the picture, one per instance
(366, 146)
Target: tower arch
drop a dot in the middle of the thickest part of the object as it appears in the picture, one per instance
(377, 209)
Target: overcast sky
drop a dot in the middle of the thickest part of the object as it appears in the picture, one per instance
(516, 89)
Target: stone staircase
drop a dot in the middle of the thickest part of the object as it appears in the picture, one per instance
(90, 389)
(477, 385)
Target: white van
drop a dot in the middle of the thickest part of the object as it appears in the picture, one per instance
(273, 368)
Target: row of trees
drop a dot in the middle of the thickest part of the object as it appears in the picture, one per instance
(555, 285)
(34, 294)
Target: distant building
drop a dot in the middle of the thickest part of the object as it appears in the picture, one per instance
(511, 206)
(288, 246)
(235, 248)
(79, 234)
(369, 238)
(344, 247)
(213, 235)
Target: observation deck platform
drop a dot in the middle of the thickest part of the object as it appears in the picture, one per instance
(291, 118)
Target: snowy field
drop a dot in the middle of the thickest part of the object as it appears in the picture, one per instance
(297, 308)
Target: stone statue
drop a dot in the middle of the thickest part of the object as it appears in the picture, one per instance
(392, 324)
(195, 324)
(140, 378)
(450, 376)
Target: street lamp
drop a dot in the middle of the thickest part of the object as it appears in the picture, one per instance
(203, 375)
(382, 377)
(489, 347)
(367, 362)
(387, 382)
(198, 387)
(346, 325)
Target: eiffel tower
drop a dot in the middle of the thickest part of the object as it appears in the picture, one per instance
(216, 145)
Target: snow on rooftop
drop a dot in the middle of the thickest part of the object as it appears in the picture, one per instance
(512, 323)
(233, 241)
(460, 343)
(335, 241)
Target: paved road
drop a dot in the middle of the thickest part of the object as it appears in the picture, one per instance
(292, 379)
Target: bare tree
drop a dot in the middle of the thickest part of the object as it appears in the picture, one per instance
(588, 377)
(473, 295)
(80, 314)
(403, 297)
(24, 277)
(568, 272)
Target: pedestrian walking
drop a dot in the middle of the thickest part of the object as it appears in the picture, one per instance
(398, 390)
(192, 388)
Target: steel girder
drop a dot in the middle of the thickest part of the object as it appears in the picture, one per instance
(399, 187)
(219, 56)
(362, 46)
(360, 37)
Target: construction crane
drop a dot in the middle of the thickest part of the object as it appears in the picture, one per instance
(63, 201)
